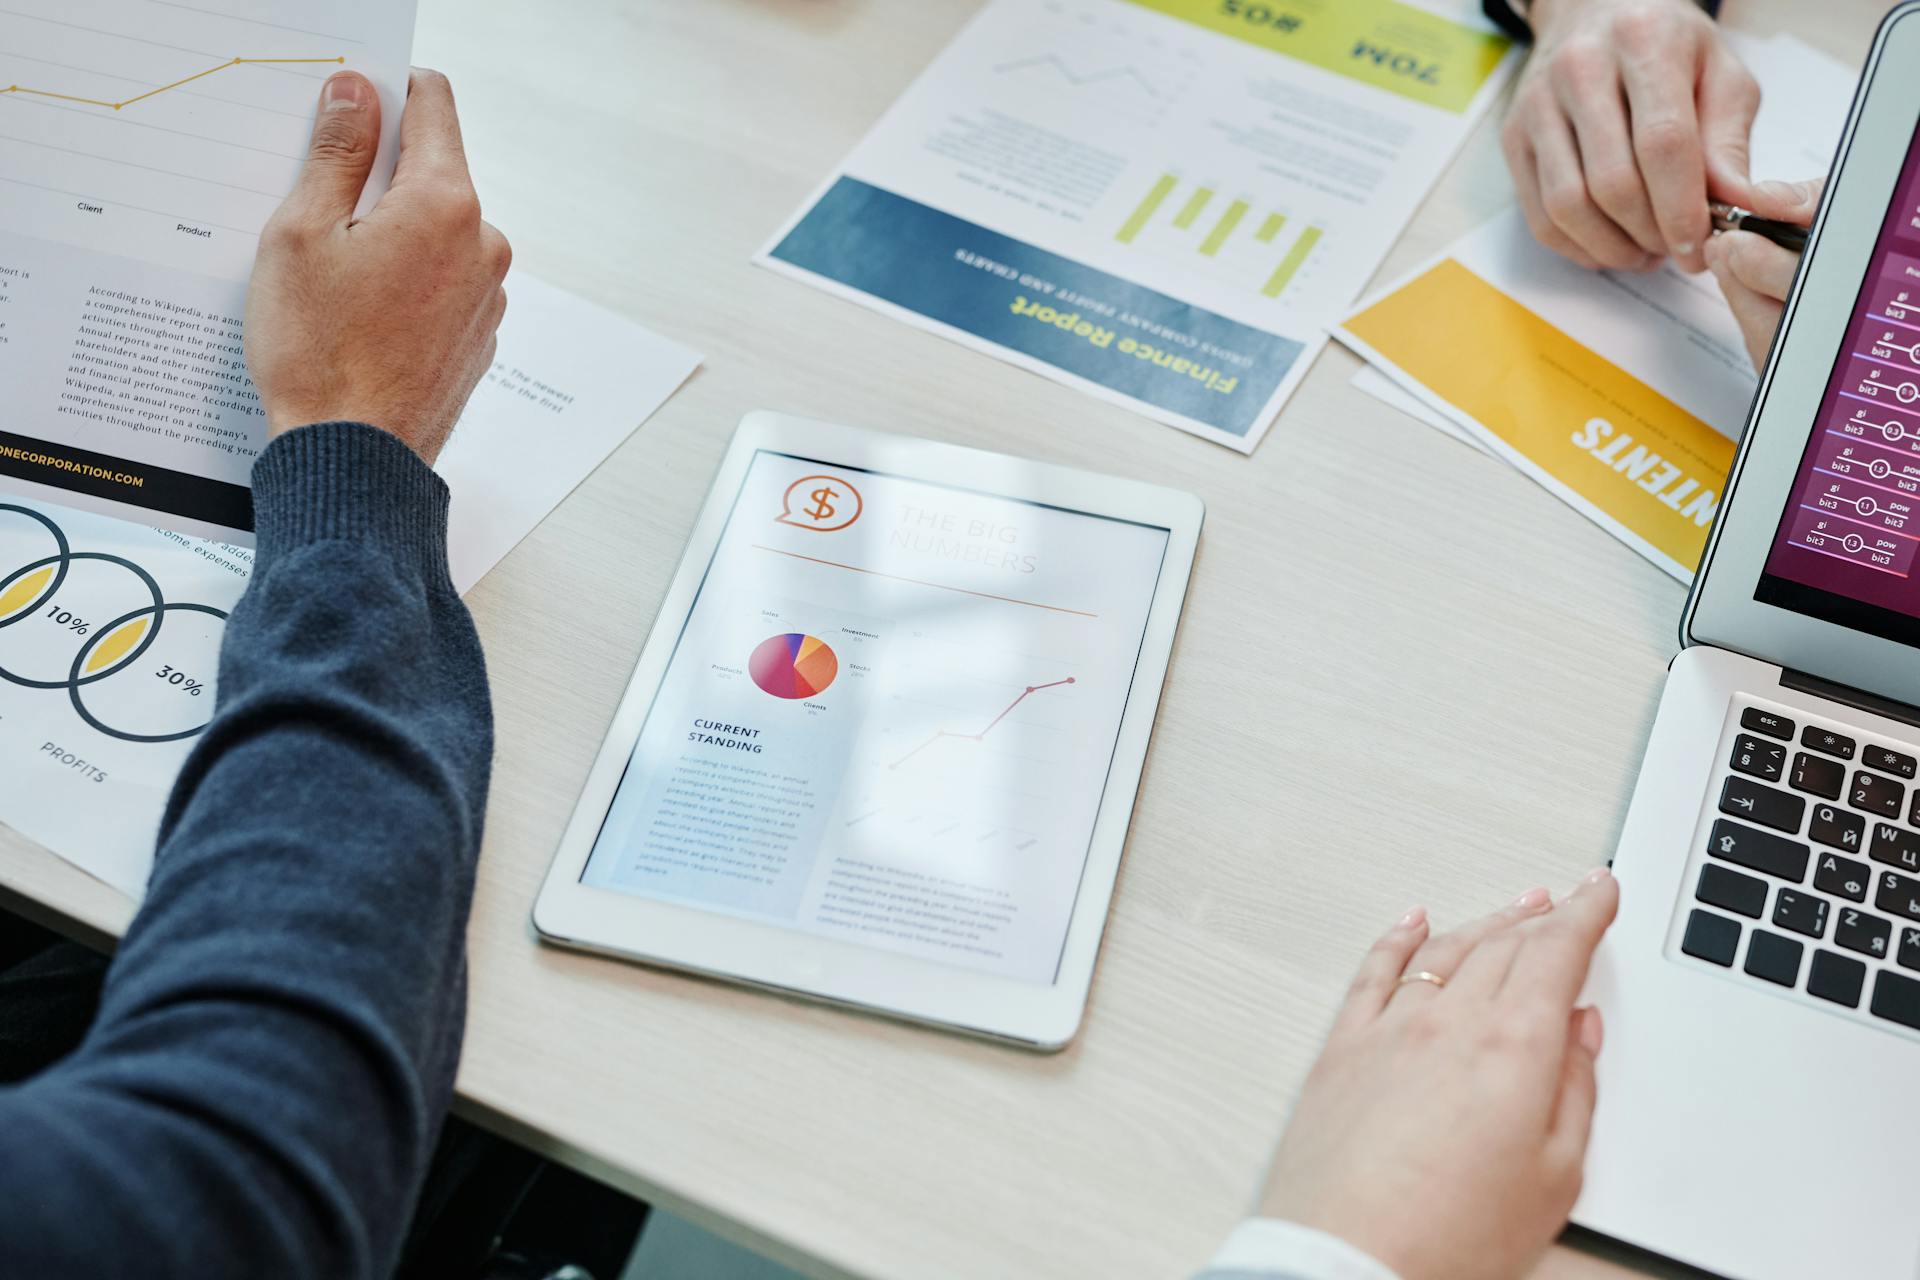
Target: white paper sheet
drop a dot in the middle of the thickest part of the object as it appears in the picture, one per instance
(1369, 381)
(89, 749)
(1161, 202)
(570, 383)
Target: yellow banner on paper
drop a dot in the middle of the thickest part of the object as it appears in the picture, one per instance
(1633, 455)
(1384, 43)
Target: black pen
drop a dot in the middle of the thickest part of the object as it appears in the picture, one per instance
(1730, 217)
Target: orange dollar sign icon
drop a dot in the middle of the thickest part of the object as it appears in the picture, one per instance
(821, 504)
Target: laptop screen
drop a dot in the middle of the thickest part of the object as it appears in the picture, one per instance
(1848, 547)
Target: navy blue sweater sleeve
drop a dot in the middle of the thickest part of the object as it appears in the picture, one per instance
(276, 1040)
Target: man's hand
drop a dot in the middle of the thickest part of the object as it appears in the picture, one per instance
(1754, 272)
(1443, 1129)
(389, 320)
(1631, 115)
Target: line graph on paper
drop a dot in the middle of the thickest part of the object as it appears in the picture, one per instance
(123, 103)
(1082, 61)
(1056, 65)
(167, 130)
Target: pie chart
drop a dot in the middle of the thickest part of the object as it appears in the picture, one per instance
(793, 666)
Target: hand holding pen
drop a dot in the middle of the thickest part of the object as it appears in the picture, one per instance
(1755, 255)
(1731, 217)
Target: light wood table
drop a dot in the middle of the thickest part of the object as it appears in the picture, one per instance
(1447, 712)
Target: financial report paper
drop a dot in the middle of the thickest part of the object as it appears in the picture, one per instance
(1162, 202)
(143, 146)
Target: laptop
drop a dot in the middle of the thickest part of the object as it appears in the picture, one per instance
(1759, 1108)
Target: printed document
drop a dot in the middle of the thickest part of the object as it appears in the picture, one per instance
(110, 629)
(143, 146)
(1164, 203)
(1622, 393)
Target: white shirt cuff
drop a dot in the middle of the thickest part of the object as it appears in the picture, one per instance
(1267, 1246)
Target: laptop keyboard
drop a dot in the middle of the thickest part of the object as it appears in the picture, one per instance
(1810, 878)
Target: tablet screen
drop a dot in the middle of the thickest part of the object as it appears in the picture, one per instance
(1847, 543)
(889, 717)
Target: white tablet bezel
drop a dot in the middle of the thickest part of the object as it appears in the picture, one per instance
(573, 914)
(1722, 610)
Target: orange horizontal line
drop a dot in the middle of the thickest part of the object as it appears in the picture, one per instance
(127, 102)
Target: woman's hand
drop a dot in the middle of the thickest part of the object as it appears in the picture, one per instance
(1754, 272)
(1444, 1128)
(389, 320)
(1629, 115)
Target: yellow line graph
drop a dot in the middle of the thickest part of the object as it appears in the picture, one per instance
(102, 102)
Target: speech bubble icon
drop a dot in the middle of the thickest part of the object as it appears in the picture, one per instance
(820, 503)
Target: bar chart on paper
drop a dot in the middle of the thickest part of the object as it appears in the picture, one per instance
(168, 131)
(1262, 249)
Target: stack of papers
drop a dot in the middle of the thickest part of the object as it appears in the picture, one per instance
(1621, 393)
(109, 667)
(133, 206)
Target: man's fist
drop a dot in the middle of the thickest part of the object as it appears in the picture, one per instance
(389, 320)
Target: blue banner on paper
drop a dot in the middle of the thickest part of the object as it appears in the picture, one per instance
(1110, 331)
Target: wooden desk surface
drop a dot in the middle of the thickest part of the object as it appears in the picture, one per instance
(1448, 712)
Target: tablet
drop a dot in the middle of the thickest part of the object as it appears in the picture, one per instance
(883, 743)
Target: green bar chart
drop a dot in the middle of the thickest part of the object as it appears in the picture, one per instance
(1144, 212)
(1223, 228)
(1284, 273)
(1190, 211)
(1225, 238)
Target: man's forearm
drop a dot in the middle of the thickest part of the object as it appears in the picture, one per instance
(277, 1036)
